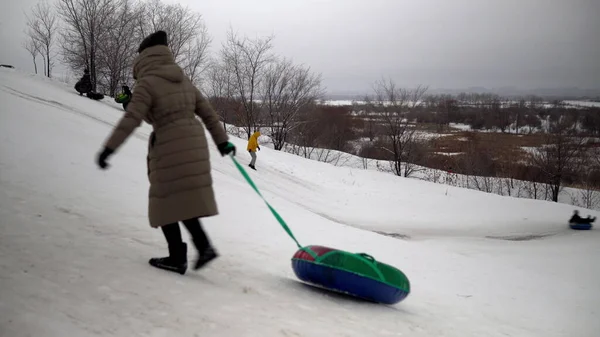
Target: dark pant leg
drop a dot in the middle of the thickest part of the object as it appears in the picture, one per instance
(198, 235)
(173, 235)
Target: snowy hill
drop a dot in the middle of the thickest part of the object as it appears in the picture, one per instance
(75, 240)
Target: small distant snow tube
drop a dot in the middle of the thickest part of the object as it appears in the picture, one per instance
(357, 275)
(580, 226)
(95, 95)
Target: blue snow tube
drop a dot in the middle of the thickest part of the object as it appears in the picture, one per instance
(580, 226)
(358, 275)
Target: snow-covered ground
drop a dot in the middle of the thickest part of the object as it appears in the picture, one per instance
(574, 103)
(518, 188)
(587, 104)
(74, 243)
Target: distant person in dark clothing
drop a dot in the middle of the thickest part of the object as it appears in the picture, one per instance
(84, 85)
(579, 220)
(127, 91)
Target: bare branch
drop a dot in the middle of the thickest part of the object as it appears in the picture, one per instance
(31, 45)
(117, 51)
(560, 156)
(194, 56)
(42, 25)
(393, 105)
(86, 24)
(183, 26)
(247, 60)
(286, 90)
(220, 90)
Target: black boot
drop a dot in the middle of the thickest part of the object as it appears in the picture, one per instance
(205, 257)
(206, 252)
(175, 262)
(177, 259)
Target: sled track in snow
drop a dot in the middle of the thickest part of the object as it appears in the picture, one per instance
(522, 237)
(394, 235)
(64, 107)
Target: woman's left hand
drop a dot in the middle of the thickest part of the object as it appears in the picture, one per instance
(102, 157)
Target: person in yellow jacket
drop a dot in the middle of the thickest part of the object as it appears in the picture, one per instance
(252, 147)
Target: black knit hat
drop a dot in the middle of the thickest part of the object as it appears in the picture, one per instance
(158, 38)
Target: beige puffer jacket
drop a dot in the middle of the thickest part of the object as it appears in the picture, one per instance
(178, 157)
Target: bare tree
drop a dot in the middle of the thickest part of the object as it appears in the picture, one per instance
(370, 121)
(219, 87)
(589, 194)
(33, 48)
(500, 114)
(117, 51)
(445, 109)
(393, 105)
(323, 134)
(42, 24)
(366, 162)
(188, 36)
(334, 126)
(247, 59)
(183, 26)
(285, 91)
(195, 58)
(305, 143)
(102, 36)
(559, 157)
(478, 163)
(86, 23)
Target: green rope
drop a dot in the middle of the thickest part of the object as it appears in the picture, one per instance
(275, 214)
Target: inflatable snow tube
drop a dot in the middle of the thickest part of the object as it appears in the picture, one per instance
(95, 95)
(358, 275)
(580, 226)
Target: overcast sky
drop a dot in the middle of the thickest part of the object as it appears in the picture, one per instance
(440, 43)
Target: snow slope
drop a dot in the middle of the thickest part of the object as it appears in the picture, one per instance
(74, 243)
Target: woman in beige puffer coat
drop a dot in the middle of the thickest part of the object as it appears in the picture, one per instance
(179, 169)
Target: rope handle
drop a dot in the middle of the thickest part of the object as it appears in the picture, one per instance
(373, 264)
(367, 257)
(273, 211)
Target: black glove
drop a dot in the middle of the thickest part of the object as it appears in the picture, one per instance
(101, 160)
(258, 147)
(226, 148)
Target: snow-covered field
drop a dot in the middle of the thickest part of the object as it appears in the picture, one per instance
(574, 103)
(586, 104)
(74, 243)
